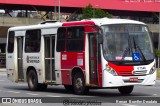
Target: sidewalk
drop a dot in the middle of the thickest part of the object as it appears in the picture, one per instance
(2, 69)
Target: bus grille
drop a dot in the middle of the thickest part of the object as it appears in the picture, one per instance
(132, 73)
(125, 73)
(143, 72)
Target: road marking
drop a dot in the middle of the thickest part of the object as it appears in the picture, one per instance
(77, 99)
(13, 92)
(129, 105)
(53, 96)
(32, 94)
(154, 94)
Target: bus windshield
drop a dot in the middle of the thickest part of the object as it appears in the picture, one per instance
(127, 42)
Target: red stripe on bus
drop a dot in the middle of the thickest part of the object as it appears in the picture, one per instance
(122, 70)
(79, 23)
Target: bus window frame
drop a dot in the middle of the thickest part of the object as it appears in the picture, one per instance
(73, 37)
(35, 41)
(11, 46)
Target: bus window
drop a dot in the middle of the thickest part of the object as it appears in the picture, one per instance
(32, 41)
(11, 42)
(61, 35)
(75, 39)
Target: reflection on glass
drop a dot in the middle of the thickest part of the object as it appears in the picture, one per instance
(121, 41)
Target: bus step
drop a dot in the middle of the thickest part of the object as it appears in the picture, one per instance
(50, 82)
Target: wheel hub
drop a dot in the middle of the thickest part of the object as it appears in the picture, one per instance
(79, 83)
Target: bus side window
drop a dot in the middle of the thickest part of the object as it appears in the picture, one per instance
(75, 39)
(11, 42)
(32, 41)
(61, 36)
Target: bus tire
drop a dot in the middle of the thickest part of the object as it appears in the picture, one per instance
(125, 89)
(32, 80)
(79, 86)
(69, 88)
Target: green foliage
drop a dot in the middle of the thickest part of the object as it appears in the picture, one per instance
(101, 14)
(87, 12)
(90, 12)
(157, 52)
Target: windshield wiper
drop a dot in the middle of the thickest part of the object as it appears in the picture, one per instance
(125, 52)
(129, 48)
(137, 47)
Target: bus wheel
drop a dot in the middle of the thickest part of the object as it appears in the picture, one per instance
(126, 89)
(69, 88)
(32, 80)
(79, 84)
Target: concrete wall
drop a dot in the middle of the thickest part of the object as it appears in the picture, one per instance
(7, 22)
(154, 27)
(15, 21)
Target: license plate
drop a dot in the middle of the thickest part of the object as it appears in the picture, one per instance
(133, 79)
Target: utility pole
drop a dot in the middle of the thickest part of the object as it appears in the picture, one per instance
(59, 10)
(55, 11)
(159, 39)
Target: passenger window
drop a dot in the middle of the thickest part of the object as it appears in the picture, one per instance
(75, 39)
(32, 41)
(11, 42)
(61, 35)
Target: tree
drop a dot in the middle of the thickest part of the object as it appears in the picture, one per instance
(157, 52)
(90, 12)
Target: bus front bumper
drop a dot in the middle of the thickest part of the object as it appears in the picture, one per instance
(116, 81)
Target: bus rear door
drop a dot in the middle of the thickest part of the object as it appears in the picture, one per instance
(20, 58)
(49, 41)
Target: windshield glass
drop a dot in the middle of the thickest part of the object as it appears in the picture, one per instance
(127, 43)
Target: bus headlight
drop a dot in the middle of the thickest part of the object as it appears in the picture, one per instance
(153, 69)
(111, 71)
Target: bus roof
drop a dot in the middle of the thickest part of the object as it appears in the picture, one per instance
(38, 26)
(78, 23)
(101, 21)
(107, 21)
(96, 21)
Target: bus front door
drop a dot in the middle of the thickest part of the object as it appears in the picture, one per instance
(20, 58)
(49, 41)
(93, 58)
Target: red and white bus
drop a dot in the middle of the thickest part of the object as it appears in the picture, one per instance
(95, 53)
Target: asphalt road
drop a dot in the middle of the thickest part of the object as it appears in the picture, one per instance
(98, 97)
